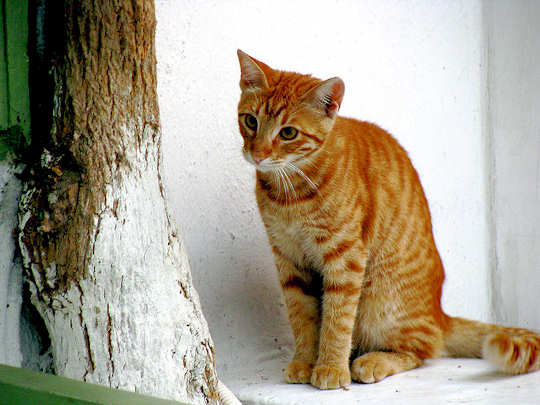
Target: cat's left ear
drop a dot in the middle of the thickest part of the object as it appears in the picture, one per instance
(252, 72)
(326, 97)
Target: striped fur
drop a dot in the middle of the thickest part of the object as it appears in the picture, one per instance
(350, 229)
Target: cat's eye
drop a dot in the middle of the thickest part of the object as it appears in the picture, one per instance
(250, 121)
(288, 133)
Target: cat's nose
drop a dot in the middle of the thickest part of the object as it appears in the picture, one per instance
(258, 159)
(260, 155)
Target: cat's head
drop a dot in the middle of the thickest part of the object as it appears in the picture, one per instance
(284, 117)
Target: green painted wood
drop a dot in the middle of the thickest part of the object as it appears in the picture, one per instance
(4, 99)
(16, 17)
(14, 92)
(20, 387)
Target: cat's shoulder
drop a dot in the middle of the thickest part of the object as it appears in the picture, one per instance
(359, 127)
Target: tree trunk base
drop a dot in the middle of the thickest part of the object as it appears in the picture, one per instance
(133, 322)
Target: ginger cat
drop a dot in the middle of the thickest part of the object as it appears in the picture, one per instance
(350, 229)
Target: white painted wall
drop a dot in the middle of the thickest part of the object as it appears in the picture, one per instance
(514, 109)
(415, 68)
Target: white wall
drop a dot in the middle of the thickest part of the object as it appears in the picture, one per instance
(513, 31)
(415, 68)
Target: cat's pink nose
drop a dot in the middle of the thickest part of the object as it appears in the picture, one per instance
(259, 156)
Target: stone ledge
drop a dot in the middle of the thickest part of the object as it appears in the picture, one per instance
(441, 381)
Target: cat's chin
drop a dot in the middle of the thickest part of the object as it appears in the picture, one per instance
(264, 169)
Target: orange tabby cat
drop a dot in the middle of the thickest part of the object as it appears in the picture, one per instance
(350, 229)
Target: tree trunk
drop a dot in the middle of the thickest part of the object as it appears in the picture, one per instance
(10, 271)
(14, 128)
(106, 269)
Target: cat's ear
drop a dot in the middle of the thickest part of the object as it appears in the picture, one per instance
(326, 97)
(252, 72)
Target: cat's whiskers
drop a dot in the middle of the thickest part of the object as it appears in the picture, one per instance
(282, 180)
(285, 185)
(299, 171)
(277, 181)
(290, 192)
(309, 160)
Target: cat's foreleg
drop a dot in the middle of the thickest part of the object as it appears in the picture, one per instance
(342, 284)
(302, 299)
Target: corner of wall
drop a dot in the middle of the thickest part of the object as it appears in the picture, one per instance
(489, 169)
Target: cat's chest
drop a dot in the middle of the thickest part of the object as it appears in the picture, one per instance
(292, 233)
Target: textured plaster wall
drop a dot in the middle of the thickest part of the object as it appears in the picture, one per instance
(514, 108)
(416, 68)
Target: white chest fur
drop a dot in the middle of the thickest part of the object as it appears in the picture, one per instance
(290, 232)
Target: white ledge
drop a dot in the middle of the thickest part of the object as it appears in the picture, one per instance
(441, 381)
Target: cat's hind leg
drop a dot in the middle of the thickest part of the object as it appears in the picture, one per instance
(374, 366)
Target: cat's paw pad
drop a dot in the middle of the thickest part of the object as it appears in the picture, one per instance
(298, 372)
(330, 377)
(370, 370)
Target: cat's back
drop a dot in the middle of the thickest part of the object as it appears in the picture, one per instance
(371, 141)
(377, 155)
(393, 198)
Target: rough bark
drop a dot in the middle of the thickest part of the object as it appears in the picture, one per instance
(106, 269)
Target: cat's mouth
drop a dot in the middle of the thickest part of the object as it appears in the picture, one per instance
(265, 165)
(268, 166)
(281, 170)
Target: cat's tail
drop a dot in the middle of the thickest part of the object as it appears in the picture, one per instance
(512, 350)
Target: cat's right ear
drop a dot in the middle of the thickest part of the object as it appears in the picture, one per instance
(326, 97)
(252, 74)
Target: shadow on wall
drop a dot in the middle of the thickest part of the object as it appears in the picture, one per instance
(35, 341)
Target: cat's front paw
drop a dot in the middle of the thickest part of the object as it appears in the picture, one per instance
(371, 368)
(331, 377)
(298, 372)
